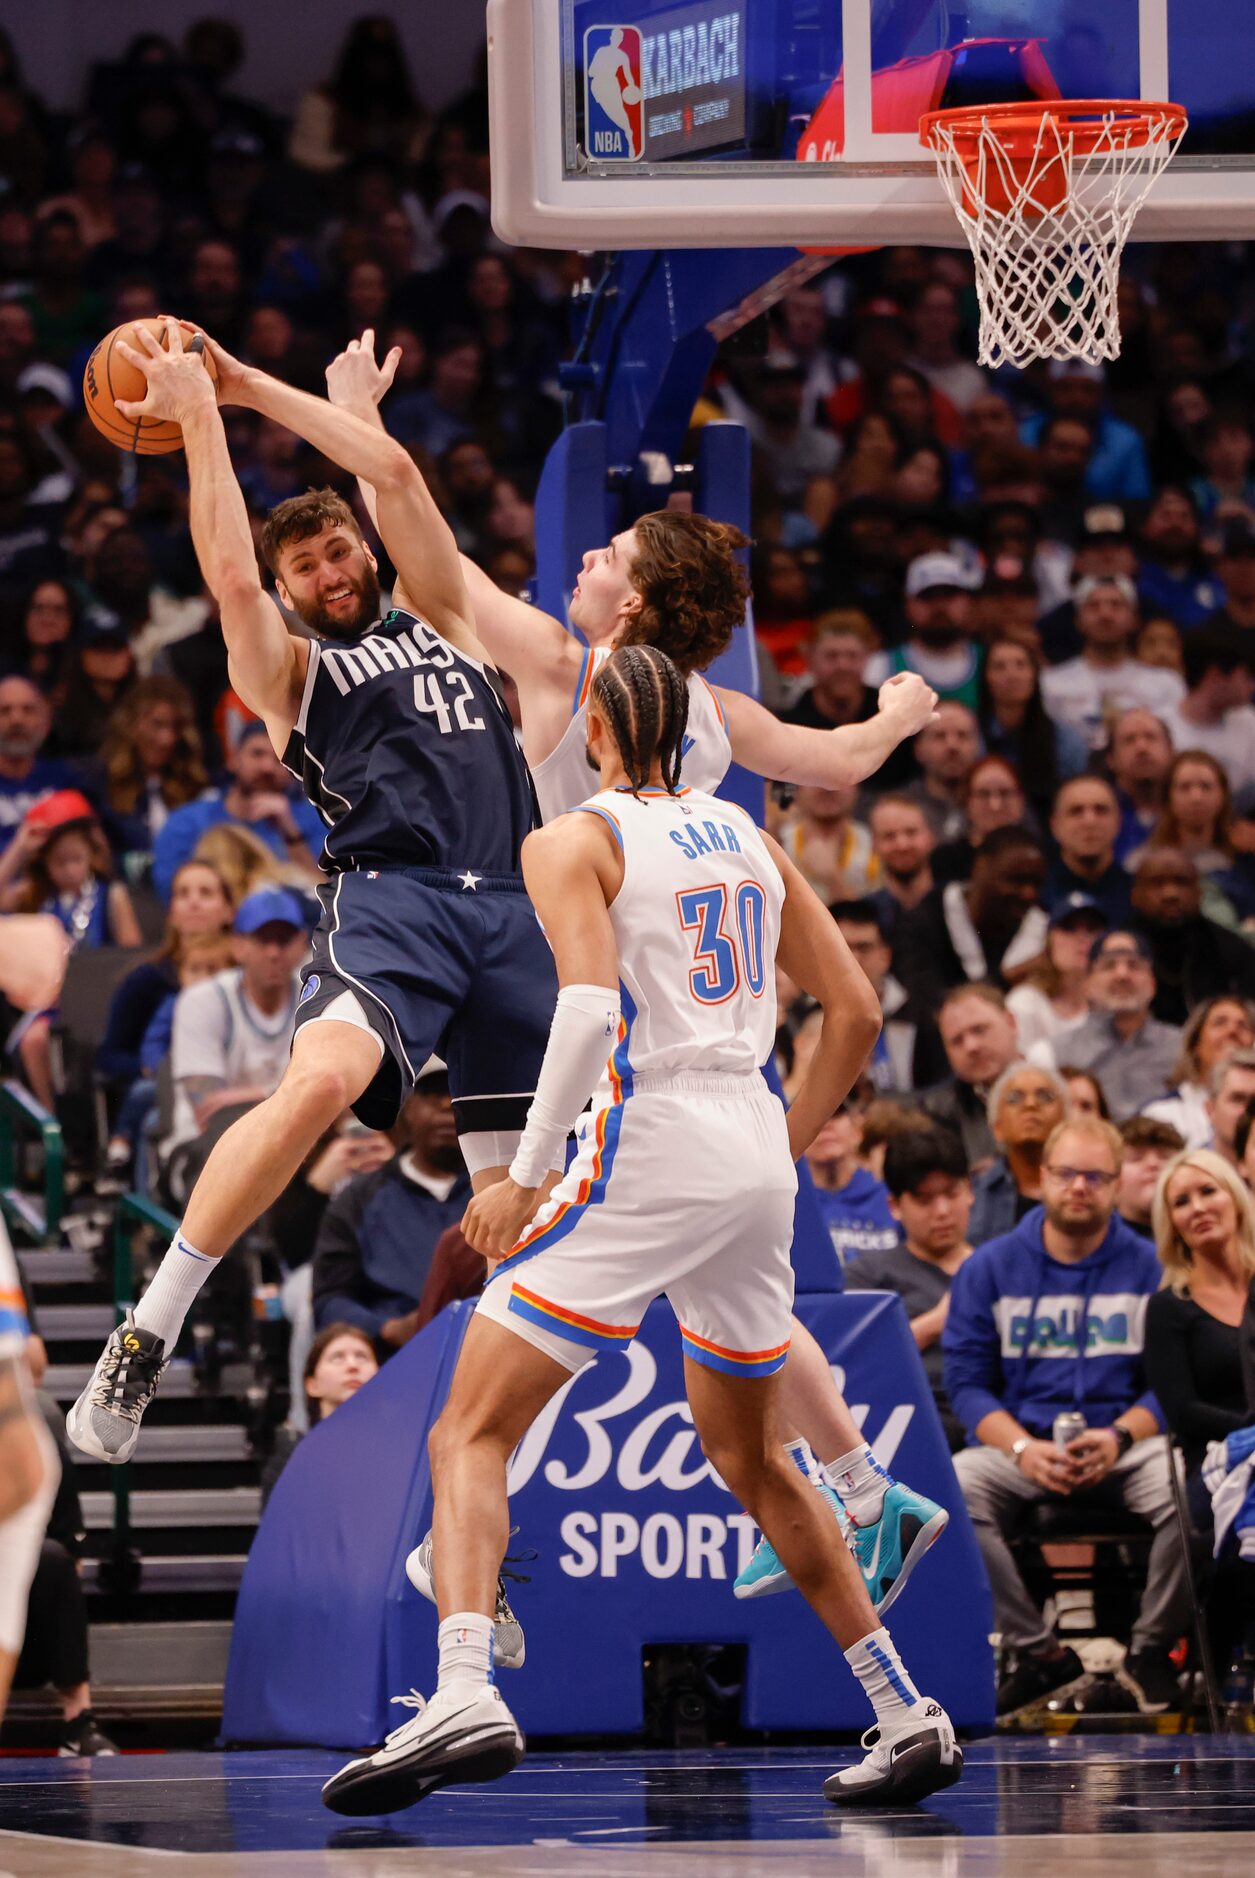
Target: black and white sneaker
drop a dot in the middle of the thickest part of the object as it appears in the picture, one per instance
(464, 1734)
(82, 1737)
(1152, 1679)
(105, 1420)
(917, 1756)
(509, 1648)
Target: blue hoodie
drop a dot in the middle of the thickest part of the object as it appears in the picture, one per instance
(1088, 1319)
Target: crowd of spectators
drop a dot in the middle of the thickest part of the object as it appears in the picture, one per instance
(1052, 888)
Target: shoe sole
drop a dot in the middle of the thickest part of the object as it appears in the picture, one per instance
(370, 1790)
(927, 1536)
(766, 1587)
(420, 1578)
(86, 1442)
(915, 1773)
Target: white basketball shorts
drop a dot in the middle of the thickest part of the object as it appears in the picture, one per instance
(682, 1189)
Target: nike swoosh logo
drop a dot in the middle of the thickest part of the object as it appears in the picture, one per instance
(870, 1570)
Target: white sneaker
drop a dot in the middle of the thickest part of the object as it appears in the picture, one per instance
(509, 1649)
(906, 1761)
(105, 1420)
(464, 1734)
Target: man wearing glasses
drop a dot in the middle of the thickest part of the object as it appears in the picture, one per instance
(1048, 1320)
(1131, 1053)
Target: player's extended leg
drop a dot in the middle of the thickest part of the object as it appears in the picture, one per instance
(332, 1063)
(29, 1472)
(913, 1751)
(465, 1732)
(889, 1526)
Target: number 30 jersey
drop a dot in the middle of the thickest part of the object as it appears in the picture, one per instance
(405, 747)
(697, 922)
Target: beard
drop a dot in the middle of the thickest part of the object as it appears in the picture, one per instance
(345, 629)
(591, 760)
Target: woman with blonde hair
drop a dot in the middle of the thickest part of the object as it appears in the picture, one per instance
(1216, 1026)
(1204, 1224)
(243, 862)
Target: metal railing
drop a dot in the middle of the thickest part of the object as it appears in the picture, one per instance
(133, 1211)
(21, 1116)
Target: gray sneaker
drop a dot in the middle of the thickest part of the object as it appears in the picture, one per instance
(508, 1646)
(105, 1420)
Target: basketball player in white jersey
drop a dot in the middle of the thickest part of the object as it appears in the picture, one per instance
(29, 1470)
(667, 911)
(674, 581)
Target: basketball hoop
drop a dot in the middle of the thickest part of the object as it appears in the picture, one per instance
(1046, 193)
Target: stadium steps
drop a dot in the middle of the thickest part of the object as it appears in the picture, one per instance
(159, 1641)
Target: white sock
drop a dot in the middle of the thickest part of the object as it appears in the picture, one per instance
(861, 1481)
(465, 1641)
(885, 1683)
(173, 1290)
(799, 1452)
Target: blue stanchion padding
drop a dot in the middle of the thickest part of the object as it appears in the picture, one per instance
(574, 512)
(638, 1545)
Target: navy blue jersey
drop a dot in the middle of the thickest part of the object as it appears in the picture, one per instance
(405, 747)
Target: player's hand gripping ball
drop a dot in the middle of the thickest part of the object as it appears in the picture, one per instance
(124, 397)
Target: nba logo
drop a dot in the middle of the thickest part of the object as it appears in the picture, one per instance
(614, 121)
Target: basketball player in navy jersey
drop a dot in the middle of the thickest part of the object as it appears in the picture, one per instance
(399, 733)
(673, 581)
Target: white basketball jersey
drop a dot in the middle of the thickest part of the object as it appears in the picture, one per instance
(697, 922)
(562, 780)
(13, 1325)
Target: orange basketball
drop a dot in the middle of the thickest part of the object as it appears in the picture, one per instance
(108, 376)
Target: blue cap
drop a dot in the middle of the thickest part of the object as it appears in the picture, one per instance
(1076, 903)
(270, 906)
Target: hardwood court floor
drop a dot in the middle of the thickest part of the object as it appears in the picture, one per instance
(1073, 1807)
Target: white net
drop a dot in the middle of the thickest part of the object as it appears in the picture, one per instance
(1046, 204)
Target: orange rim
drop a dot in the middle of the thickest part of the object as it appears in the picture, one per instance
(1018, 124)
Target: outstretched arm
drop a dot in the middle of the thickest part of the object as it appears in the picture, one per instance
(419, 541)
(828, 759)
(267, 663)
(541, 656)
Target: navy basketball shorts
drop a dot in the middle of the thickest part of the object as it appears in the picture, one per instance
(439, 968)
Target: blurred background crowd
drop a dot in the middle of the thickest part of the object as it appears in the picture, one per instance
(1052, 888)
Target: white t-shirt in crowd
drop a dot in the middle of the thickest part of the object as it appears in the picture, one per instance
(1089, 696)
(220, 1033)
(1231, 741)
(1036, 1019)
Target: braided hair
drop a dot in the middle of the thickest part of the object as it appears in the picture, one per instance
(645, 702)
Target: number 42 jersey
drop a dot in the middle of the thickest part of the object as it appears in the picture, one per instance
(697, 924)
(405, 747)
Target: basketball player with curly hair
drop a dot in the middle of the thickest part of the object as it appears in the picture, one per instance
(673, 581)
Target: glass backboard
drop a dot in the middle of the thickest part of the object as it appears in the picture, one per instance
(742, 123)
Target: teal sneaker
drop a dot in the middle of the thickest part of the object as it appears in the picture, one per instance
(765, 1575)
(888, 1550)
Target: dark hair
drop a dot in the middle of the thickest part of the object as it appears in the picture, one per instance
(1143, 1131)
(645, 701)
(1242, 1133)
(1212, 647)
(1036, 749)
(1000, 841)
(302, 516)
(911, 1158)
(1072, 1072)
(859, 913)
(693, 589)
(328, 1336)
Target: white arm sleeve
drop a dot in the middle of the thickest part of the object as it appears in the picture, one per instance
(581, 1038)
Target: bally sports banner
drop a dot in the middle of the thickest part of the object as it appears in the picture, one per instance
(637, 1542)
